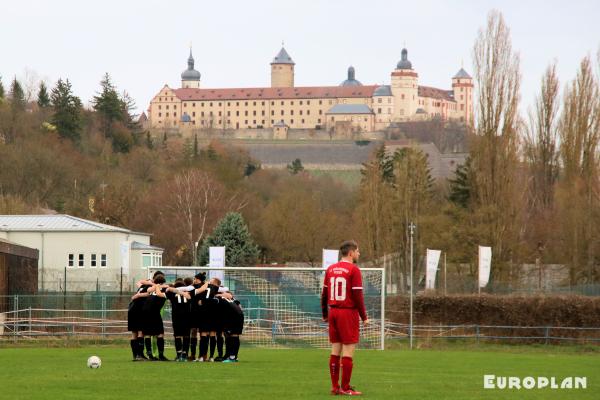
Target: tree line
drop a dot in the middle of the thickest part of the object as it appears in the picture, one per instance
(529, 188)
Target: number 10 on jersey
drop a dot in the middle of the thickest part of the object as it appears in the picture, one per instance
(338, 288)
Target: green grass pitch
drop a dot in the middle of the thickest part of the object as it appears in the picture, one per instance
(61, 373)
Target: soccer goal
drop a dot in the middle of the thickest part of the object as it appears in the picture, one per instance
(282, 305)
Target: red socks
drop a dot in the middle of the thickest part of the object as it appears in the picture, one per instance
(346, 372)
(334, 371)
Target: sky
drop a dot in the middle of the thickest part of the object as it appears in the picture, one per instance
(144, 45)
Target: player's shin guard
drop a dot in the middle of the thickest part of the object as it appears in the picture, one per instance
(213, 345)
(186, 345)
(334, 371)
(220, 345)
(346, 372)
(134, 347)
(236, 346)
(160, 344)
(140, 345)
(148, 343)
(229, 350)
(203, 347)
(193, 345)
(178, 345)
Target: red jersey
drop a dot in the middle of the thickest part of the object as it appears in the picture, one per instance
(343, 288)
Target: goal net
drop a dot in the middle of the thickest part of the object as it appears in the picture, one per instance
(282, 306)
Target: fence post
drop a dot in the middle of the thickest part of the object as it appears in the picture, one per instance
(477, 333)
(16, 317)
(104, 315)
(546, 334)
(30, 319)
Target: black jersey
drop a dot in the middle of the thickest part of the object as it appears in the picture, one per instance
(180, 306)
(138, 303)
(154, 303)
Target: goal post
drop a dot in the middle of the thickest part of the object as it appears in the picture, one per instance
(282, 305)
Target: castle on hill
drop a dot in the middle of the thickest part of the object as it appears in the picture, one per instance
(348, 107)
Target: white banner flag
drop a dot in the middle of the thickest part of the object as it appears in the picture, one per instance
(432, 260)
(485, 265)
(125, 253)
(216, 258)
(330, 257)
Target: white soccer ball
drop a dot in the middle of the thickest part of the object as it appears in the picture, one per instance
(94, 362)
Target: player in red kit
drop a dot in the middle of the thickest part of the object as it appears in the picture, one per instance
(342, 304)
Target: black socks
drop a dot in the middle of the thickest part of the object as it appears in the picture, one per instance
(213, 344)
(203, 346)
(220, 345)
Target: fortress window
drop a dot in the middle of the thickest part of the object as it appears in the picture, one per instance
(202, 104)
(292, 102)
(292, 112)
(228, 113)
(237, 103)
(303, 121)
(237, 113)
(246, 113)
(253, 103)
(219, 113)
(272, 121)
(193, 104)
(160, 99)
(402, 97)
(272, 103)
(167, 107)
(228, 104)
(379, 111)
(307, 112)
(202, 114)
(300, 112)
(262, 103)
(159, 107)
(319, 120)
(320, 102)
(254, 112)
(291, 121)
(245, 103)
(282, 103)
(281, 112)
(272, 112)
(246, 122)
(219, 122)
(185, 105)
(254, 122)
(193, 114)
(219, 104)
(308, 102)
(263, 114)
(320, 112)
(167, 114)
(210, 104)
(211, 114)
(175, 107)
(300, 102)
(160, 114)
(263, 121)
(174, 114)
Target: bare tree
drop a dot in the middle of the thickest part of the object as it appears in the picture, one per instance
(495, 145)
(580, 137)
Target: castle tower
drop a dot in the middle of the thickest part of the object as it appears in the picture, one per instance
(405, 88)
(282, 70)
(190, 78)
(351, 79)
(462, 86)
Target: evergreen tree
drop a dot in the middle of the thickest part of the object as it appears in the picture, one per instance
(108, 104)
(195, 146)
(231, 232)
(17, 96)
(460, 185)
(295, 167)
(1, 90)
(149, 142)
(43, 99)
(67, 111)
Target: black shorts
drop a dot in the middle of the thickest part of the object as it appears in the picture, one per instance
(235, 326)
(181, 325)
(152, 324)
(134, 320)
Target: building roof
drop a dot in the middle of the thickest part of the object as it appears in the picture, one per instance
(383, 90)
(350, 109)
(351, 80)
(274, 93)
(143, 246)
(58, 223)
(462, 74)
(283, 58)
(435, 93)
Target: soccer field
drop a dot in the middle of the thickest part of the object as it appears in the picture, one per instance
(61, 373)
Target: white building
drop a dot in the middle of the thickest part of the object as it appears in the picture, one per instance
(87, 255)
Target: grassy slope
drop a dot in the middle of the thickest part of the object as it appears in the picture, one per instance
(60, 373)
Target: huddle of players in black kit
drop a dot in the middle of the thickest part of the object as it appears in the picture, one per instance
(199, 309)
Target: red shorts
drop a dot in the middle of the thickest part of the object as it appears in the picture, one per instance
(343, 325)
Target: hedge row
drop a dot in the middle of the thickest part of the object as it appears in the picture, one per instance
(511, 310)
